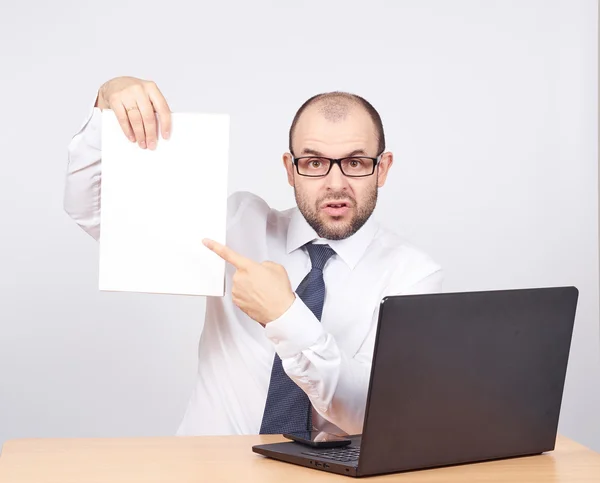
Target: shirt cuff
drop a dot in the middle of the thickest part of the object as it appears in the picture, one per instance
(92, 129)
(296, 330)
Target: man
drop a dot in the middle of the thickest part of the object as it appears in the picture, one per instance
(289, 346)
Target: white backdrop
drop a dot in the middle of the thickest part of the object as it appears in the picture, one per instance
(490, 108)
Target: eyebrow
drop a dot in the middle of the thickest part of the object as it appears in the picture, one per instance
(313, 152)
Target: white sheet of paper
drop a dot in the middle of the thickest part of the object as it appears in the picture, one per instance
(157, 206)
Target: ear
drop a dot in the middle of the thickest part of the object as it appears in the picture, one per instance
(289, 167)
(387, 159)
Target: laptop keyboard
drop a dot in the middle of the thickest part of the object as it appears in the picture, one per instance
(349, 453)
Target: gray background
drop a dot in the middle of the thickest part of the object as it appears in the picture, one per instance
(490, 108)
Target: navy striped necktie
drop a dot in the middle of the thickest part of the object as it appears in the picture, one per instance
(288, 408)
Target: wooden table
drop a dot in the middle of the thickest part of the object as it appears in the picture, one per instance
(229, 458)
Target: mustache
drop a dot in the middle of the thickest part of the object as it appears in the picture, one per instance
(336, 197)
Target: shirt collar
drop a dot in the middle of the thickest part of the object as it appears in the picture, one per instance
(350, 250)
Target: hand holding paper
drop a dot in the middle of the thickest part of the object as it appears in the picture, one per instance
(135, 102)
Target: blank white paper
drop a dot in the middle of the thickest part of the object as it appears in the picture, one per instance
(157, 206)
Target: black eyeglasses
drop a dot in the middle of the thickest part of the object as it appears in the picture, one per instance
(319, 166)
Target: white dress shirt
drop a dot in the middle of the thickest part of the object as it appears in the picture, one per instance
(330, 360)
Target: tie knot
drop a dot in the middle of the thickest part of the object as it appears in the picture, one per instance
(319, 254)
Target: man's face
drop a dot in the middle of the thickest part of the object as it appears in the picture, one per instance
(336, 206)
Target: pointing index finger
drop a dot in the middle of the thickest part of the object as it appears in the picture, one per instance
(227, 254)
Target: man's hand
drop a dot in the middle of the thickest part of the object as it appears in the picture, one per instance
(135, 101)
(261, 290)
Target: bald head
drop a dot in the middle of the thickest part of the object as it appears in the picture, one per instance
(335, 107)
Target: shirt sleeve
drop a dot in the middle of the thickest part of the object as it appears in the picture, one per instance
(83, 178)
(335, 382)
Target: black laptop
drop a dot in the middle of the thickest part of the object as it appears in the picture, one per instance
(457, 378)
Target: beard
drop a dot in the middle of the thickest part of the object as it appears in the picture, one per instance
(336, 230)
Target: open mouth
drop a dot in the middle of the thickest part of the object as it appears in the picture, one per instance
(336, 208)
